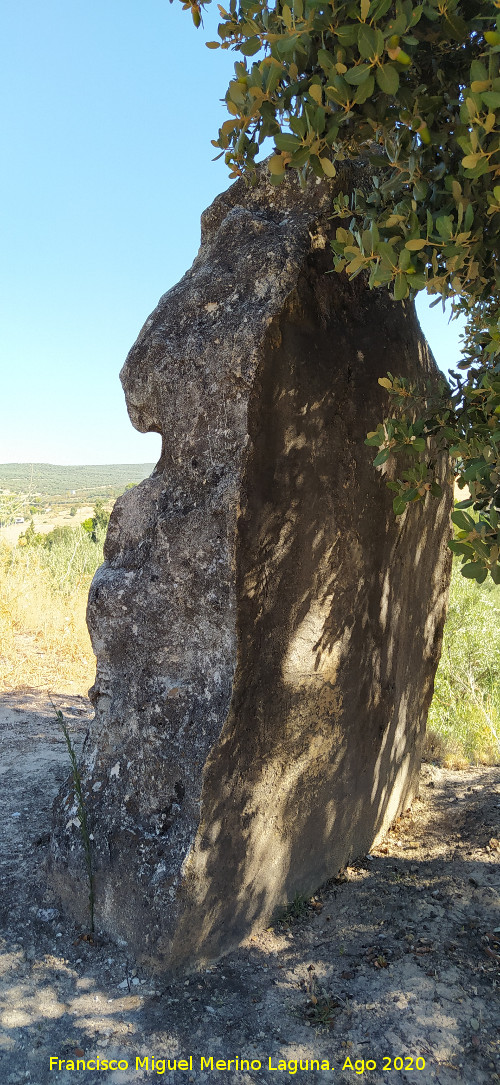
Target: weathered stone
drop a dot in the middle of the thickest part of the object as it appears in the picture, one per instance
(266, 632)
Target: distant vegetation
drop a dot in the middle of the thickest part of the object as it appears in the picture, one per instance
(90, 482)
(44, 583)
(464, 718)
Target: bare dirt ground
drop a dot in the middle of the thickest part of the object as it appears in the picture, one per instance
(396, 960)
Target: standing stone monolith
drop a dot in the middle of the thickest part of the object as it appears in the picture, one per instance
(266, 631)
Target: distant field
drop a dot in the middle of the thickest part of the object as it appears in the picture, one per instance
(43, 523)
(91, 480)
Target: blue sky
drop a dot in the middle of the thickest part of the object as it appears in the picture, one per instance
(107, 112)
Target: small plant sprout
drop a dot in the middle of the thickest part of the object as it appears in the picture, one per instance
(296, 909)
(81, 814)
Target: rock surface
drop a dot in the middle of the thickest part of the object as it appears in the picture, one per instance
(266, 632)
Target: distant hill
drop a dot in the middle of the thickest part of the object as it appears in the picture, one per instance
(52, 479)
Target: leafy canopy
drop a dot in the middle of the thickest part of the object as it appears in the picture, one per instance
(415, 89)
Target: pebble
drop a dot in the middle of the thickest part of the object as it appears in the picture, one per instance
(47, 914)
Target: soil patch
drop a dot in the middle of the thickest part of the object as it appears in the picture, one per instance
(395, 960)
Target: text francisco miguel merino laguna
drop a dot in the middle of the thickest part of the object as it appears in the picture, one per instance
(160, 1066)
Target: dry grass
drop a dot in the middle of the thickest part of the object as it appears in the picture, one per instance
(44, 642)
(449, 754)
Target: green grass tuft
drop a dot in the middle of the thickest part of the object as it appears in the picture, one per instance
(295, 909)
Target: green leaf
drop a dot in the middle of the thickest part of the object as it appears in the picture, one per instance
(478, 71)
(456, 26)
(463, 520)
(237, 93)
(471, 160)
(286, 142)
(316, 93)
(399, 506)
(328, 167)
(339, 90)
(388, 79)
(491, 98)
(382, 457)
(416, 243)
(300, 157)
(358, 74)
(356, 265)
(276, 165)
(286, 15)
(385, 383)
(370, 42)
(400, 287)
(347, 35)
(298, 126)
(273, 76)
(420, 190)
(475, 570)
(286, 45)
(380, 8)
(398, 25)
(461, 548)
(444, 226)
(326, 61)
(250, 47)
(365, 90)
(469, 217)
